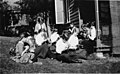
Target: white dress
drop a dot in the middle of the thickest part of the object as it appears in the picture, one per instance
(61, 46)
(54, 37)
(43, 26)
(73, 41)
(37, 27)
(40, 38)
(92, 34)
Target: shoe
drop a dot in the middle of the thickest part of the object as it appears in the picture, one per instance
(77, 61)
(30, 61)
(100, 56)
(39, 63)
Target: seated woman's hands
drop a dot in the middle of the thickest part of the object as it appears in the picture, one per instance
(26, 49)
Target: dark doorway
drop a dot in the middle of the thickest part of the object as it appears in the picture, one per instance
(87, 10)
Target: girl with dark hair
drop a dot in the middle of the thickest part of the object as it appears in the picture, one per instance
(38, 24)
(90, 42)
(20, 45)
(24, 49)
(61, 44)
(73, 28)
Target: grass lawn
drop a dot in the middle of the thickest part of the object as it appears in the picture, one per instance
(7, 66)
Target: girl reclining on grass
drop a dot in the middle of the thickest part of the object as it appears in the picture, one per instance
(24, 49)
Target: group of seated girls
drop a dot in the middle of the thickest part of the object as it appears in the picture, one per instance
(31, 47)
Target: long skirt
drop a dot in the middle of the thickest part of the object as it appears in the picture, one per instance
(89, 46)
(43, 51)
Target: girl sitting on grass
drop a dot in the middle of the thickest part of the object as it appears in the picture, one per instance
(24, 50)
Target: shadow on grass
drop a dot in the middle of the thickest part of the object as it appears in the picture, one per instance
(9, 66)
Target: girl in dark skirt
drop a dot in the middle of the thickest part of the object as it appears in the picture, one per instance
(44, 51)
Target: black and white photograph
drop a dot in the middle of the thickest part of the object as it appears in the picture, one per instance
(59, 36)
